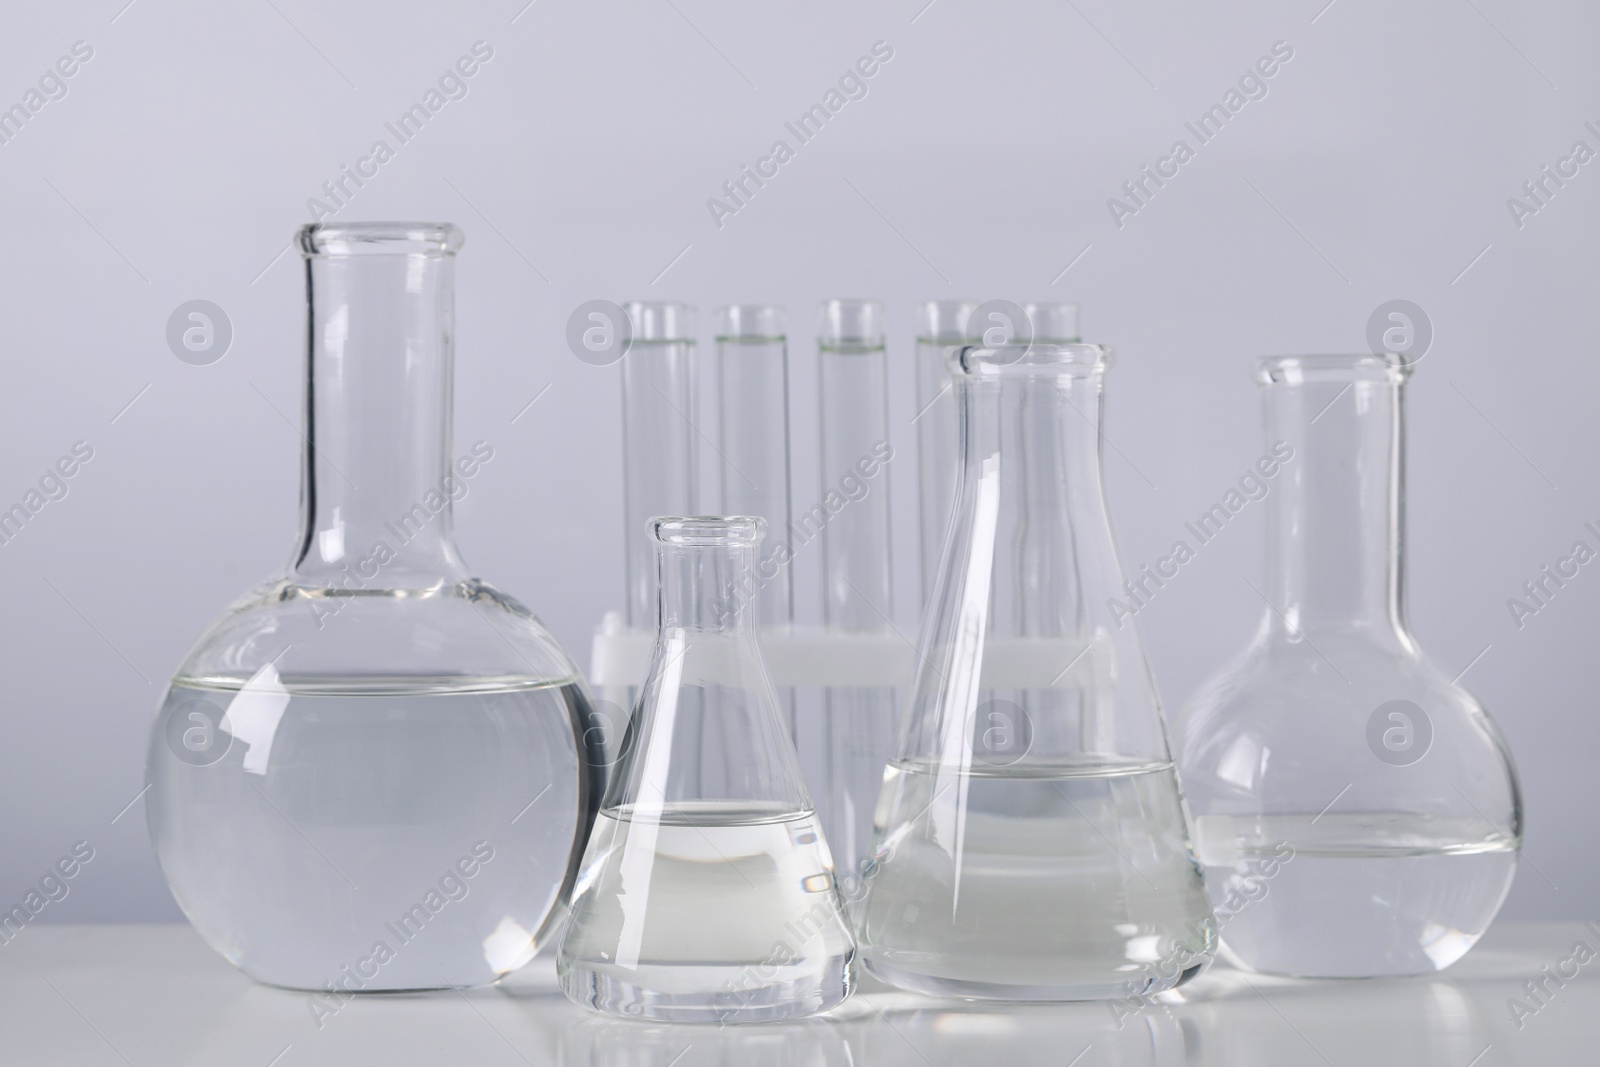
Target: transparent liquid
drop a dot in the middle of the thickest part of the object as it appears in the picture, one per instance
(1038, 881)
(715, 911)
(336, 817)
(1364, 894)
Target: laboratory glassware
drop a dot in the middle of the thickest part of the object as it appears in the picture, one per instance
(660, 456)
(1053, 322)
(707, 891)
(753, 401)
(1375, 793)
(853, 517)
(1031, 843)
(375, 771)
(941, 324)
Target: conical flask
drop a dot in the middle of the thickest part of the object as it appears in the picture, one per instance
(1030, 839)
(1356, 811)
(374, 772)
(707, 892)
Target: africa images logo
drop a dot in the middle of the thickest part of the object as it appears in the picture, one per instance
(1399, 732)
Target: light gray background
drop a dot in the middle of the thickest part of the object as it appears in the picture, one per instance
(979, 164)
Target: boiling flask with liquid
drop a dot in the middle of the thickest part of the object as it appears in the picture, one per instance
(707, 891)
(375, 772)
(1356, 811)
(1030, 841)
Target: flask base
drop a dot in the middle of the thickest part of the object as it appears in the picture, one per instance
(1073, 881)
(708, 993)
(1354, 895)
(1119, 988)
(349, 837)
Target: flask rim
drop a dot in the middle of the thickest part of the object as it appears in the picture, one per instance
(1038, 358)
(700, 531)
(379, 238)
(1311, 369)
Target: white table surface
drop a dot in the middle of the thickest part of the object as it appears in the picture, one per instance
(155, 995)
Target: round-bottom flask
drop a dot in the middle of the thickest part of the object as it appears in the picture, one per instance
(1356, 812)
(374, 772)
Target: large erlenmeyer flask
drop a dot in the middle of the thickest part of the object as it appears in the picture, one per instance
(1384, 790)
(707, 891)
(373, 772)
(1030, 840)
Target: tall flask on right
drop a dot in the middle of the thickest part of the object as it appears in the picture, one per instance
(1356, 811)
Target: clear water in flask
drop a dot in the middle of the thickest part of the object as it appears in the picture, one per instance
(1052, 880)
(302, 827)
(777, 939)
(1394, 893)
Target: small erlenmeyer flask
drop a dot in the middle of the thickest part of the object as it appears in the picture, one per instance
(375, 772)
(707, 891)
(1332, 764)
(1030, 839)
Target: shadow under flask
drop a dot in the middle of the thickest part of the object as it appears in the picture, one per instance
(707, 891)
(372, 773)
(1356, 812)
(1030, 840)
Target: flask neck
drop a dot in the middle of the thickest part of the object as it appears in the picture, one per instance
(1030, 488)
(378, 485)
(1335, 518)
(1029, 650)
(708, 589)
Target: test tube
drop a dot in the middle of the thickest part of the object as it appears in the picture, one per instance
(941, 324)
(1054, 322)
(753, 401)
(854, 401)
(659, 455)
